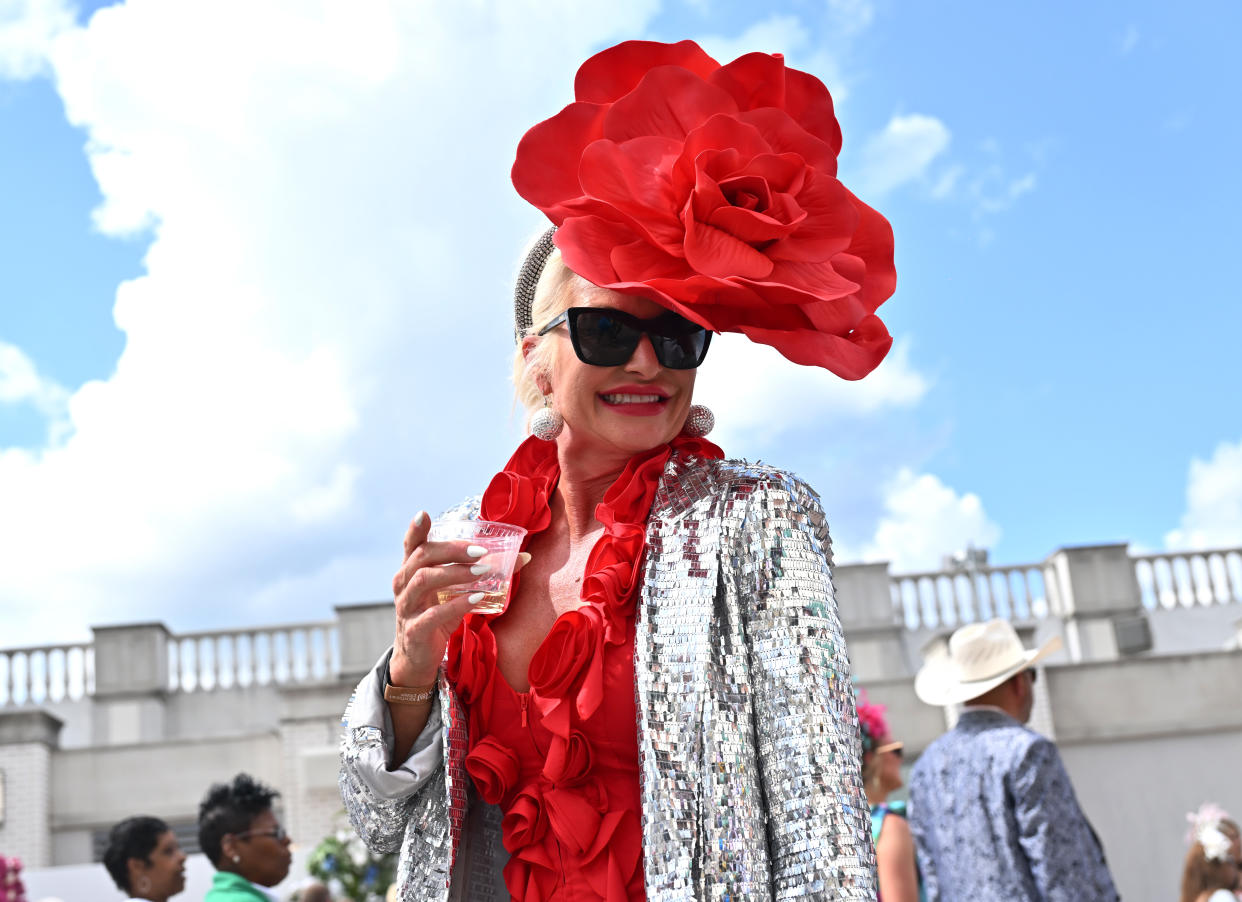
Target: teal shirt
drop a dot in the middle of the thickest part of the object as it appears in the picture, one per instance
(228, 887)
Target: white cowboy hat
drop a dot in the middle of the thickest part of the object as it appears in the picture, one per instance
(980, 657)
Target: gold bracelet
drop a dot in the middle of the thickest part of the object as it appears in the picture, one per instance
(399, 695)
(405, 695)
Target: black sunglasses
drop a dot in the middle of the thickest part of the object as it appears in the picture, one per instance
(605, 337)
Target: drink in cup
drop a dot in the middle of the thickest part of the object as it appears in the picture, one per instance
(502, 541)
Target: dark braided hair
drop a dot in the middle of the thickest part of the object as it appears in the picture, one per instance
(230, 808)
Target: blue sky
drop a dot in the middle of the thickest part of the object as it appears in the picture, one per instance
(253, 313)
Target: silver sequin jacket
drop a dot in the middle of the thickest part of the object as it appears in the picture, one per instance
(748, 741)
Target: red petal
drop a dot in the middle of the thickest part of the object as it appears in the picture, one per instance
(754, 80)
(586, 243)
(713, 252)
(850, 358)
(545, 171)
(634, 179)
(807, 100)
(616, 71)
(784, 134)
(668, 101)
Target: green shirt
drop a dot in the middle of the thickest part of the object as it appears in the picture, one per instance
(229, 887)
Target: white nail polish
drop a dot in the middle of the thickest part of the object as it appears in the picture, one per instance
(476, 597)
(476, 551)
(480, 569)
(420, 518)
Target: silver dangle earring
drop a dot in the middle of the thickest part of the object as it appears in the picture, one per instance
(546, 423)
(699, 421)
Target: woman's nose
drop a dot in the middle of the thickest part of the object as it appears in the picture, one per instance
(644, 359)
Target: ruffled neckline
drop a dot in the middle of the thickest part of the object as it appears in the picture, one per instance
(566, 802)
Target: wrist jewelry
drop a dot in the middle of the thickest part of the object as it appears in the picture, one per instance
(406, 695)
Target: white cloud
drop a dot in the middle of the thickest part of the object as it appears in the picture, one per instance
(923, 521)
(1213, 516)
(900, 154)
(21, 383)
(28, 29)
(320, 343)
(757, 395)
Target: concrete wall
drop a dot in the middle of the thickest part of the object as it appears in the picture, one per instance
(92, 789)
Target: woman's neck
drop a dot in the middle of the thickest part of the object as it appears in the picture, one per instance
(585, 478)
(876, 796)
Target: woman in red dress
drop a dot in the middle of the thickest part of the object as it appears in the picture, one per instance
(663, 709)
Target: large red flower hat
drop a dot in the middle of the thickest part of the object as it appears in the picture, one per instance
(713, 191)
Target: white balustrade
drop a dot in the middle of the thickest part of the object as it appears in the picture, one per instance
(1185, 579)
(222, 659)
(944, 598)
(46, 673)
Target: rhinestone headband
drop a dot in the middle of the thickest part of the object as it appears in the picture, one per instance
(528, 278)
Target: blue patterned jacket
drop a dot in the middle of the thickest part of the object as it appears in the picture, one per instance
(995, 819)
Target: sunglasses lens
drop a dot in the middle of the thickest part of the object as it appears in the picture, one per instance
(679, 343)
(602, 338)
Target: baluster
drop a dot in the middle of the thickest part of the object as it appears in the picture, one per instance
(29, 656)
(7, 685)
(1235, 587)
(221, 643)
(310, 655)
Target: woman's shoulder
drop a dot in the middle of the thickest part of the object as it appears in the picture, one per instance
(739, 475)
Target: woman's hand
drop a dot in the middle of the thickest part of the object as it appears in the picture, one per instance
(423, 624)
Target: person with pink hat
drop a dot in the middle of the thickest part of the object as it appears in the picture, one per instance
(991, 807)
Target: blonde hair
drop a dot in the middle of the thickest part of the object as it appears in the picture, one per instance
(556, 290)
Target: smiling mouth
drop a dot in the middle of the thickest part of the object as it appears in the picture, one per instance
(633, 399)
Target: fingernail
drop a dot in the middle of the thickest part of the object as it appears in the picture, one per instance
(476, 597)
(480, 569)
(420, 518)
(523, 558)
(476, 551)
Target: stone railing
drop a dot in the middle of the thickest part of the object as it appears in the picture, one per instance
(46, 673)
(1175, 579)
(947, 598)
(222, 659)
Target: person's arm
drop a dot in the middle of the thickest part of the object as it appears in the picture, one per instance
(894, 855)
(1065, 857)
(819, 824)
(380, 792)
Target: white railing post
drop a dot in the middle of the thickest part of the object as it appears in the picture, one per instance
(1096, 595)
(131, 682)
(873, 627)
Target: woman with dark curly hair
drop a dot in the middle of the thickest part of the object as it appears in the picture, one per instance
(239, 833)
(145, 860)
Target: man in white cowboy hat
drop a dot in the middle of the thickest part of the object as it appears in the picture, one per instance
(992, 811)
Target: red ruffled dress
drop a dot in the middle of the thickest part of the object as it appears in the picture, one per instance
(561, 760)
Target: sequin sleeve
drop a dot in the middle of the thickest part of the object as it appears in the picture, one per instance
(379, 800)
(819, 830)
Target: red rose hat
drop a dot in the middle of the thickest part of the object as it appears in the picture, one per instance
(713, 191)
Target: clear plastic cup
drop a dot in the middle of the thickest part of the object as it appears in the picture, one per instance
(502, 541)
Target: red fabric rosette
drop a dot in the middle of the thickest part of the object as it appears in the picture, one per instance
(569, 761)
(526, 821)
(568, 667)
(494, 769)
(712, 190)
